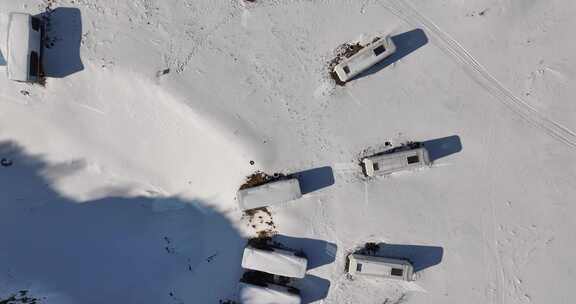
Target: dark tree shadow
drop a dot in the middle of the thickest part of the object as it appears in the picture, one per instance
(314, 179)
(442, 147)
(406, 43)
(312, 288)
(120, 250)
(62, 40)
(318, 252)
(421, 257)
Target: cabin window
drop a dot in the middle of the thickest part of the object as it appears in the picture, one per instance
(359, 267)
(346, 69)
(413, 159)
(379, 50)
(34, 63)
(376, 167)
(397, 272)
(35, 24)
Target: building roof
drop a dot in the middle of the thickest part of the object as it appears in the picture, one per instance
(21, 40)
(269, 194)
(279, 262)
(388, 163)
(254, 294)
(381, 266)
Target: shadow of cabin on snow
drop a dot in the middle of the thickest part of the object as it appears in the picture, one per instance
(318, 252)
(111, 248)
(314, 179)
(312, 288)
(62, 41)
(406, 43)
(442, 147)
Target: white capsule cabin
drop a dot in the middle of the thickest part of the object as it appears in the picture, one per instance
(397, 161)
(268, 294)
(275, 261)
(380, 267)
(24, 47)
(269, 194)
(365, 58)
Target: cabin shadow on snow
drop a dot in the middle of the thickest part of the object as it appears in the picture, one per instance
(62, 40)
(406, 43)
(442, 147)
(314, 179)
(421, 257)
(318, 252)
(110, 250)
(312, 288)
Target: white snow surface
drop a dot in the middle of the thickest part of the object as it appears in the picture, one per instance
(123, 178)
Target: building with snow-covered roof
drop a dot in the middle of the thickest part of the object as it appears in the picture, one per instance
(399, 269)
(269, 194)
(268, 293)
(24, 47)
(368, 56)
(393, 162)
(275, 261)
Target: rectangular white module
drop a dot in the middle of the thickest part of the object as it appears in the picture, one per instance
(269, 294)
(24, 47)
(397, 161)
(275, 261)
(269, 194)
(365, 58)
(380, 267)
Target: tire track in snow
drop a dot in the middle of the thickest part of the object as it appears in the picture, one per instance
(445, 42)
(498, 272)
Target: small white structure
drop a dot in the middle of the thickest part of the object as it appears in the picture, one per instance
(380, 267)
(269, 194)
(269, 294)
(397, 161)
(365, 58)
(275, 261)
(24, 47)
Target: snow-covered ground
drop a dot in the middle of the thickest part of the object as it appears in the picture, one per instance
(124, 173)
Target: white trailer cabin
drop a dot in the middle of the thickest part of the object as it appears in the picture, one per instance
(365, 58)
(397, 161)
(24, 47)
(380, 267)
(269, 294)
(275, 261)
(269, 194)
